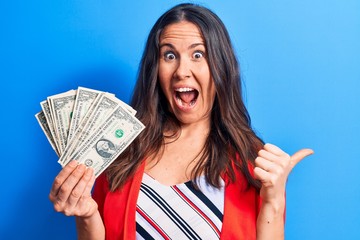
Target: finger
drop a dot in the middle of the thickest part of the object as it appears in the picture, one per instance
(264, 164)
(79, 190)
(263, 176)
(68, 186)
(90, 184)
(86, 204)
(300, 155)
(270, 156)
(61, 177)
(274, 149)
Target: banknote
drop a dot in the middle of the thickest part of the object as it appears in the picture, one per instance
(49, 123)
(98, 114)
(40, 116)
(91, 126)
(85, 97)
(108, 141)
(61, 106)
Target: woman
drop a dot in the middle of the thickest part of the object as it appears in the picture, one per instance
(198, 171)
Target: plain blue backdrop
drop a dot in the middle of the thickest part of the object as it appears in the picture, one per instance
(300, 62)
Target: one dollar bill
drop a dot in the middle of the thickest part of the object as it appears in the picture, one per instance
(108, 141)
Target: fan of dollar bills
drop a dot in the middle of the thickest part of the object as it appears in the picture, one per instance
(90, 126)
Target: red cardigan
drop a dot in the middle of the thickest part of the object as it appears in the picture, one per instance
(118, 208)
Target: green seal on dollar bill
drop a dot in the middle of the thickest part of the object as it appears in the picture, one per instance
(119, 133)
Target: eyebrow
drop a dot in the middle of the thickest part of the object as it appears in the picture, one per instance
(194, 45)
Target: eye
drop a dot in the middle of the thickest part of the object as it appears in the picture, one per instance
(169, 56)
(198, 54)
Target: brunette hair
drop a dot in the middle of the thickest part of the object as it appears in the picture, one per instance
(231, 143)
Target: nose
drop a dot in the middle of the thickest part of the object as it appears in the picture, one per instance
(183, 69)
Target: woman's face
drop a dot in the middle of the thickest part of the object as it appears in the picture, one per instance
(184, 73)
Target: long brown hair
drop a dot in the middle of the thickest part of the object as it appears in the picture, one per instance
(231, 142)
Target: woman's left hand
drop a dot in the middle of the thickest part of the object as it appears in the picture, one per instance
(272, 168)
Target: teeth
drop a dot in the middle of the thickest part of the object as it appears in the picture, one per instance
(185, 89)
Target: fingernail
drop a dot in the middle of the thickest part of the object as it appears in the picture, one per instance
(81, 167)
(73, 163)
(89, 170)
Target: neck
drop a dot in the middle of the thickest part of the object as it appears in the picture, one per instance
(198, 131)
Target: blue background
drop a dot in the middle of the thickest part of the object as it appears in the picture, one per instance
(300, 62)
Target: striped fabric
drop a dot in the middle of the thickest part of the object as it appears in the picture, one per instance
(179, 211)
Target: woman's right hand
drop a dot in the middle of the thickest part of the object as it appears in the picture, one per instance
(71, 191)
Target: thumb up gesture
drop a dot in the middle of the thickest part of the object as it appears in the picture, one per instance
(272, 168)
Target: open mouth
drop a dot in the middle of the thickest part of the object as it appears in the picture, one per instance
(186, 97)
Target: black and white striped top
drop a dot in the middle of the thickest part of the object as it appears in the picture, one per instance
(179, 211)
